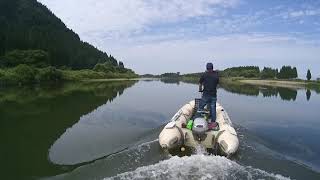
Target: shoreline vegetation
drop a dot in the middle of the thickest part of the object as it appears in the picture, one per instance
(27, 94)
(120, 79)
(29, 75)
(285, 83)
(286, 77)
(282, 83)
(275, 83)
(36, 47)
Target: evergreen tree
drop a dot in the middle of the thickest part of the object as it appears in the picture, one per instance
(242, 71)
(309, 75)
(294, 73)
(268, 73)
(287, 72)
(121, 65)
(29, 25)
(36, 58)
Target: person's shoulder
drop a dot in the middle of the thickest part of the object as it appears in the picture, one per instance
(212, 74)
(202, 76)
(215, 73)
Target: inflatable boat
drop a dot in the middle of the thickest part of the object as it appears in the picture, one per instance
(189, 128)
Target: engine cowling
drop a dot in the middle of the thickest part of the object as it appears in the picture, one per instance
(200, 127)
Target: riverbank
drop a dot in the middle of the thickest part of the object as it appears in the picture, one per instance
(120, 79)
(29, 75)
(276, 83)
(291, 84)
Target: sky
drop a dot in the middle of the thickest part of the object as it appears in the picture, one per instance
(157, 36)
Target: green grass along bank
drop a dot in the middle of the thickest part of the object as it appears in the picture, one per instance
(26, 75)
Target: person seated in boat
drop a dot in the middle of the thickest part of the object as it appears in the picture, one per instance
(208, 86)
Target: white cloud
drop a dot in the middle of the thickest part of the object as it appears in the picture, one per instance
(296, 14)
(224, 51)
(301, 13)
(312, 12)
(128, 30)
(125, 16)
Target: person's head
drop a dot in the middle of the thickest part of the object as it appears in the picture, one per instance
(209, 67)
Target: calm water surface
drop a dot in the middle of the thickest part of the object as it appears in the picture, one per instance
(110, 129)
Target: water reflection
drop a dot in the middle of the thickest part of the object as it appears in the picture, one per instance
(109, 128)
(286, 94)
(308, 94)
(101, 121)
(32, 118)
(109, 90)
(269, 92)
(270, 129)
(242, 89)
(170, 80)
(104, 131)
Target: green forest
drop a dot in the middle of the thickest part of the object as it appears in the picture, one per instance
(286, 72)
(37, 46)
(242, 71)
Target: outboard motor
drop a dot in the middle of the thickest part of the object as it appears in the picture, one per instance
(200, 127)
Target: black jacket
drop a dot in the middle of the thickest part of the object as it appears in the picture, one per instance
(210, 81)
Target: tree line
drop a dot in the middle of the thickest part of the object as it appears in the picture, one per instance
(29, 25)
(286, 72)
(242, 71)
(36, 46)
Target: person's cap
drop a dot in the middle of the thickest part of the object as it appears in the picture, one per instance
(209, 66)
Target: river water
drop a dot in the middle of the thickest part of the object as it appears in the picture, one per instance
(109, 130)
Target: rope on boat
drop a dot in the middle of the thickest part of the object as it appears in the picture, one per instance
(215, 144)
(182, 135)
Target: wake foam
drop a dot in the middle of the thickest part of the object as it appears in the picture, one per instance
(197, 167)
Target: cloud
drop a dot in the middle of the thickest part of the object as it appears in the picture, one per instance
(296, 14)
(130, 16)
(128, 21)
(153, 36)
(301, 13)
(225, 51)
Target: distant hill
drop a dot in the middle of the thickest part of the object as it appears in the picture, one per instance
(29, 25)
